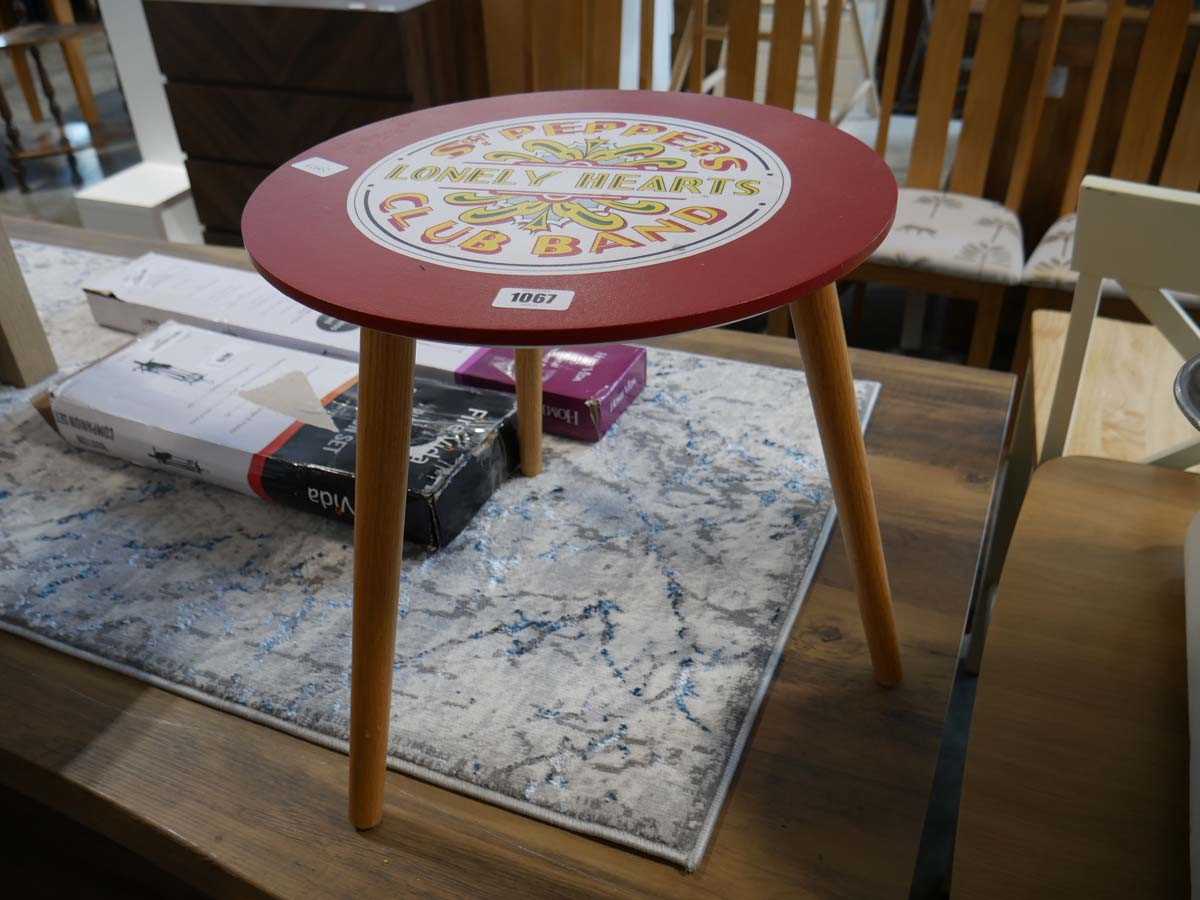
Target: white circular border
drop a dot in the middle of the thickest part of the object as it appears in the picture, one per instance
(372, 231)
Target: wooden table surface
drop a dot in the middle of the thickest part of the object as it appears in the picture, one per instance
(1077, 772)
(829, 799)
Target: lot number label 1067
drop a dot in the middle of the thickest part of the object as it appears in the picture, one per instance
(532, 298)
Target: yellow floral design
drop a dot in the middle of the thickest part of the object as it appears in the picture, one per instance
(541, 212)
(592, 152)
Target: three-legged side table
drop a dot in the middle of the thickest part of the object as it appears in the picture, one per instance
(568, 218)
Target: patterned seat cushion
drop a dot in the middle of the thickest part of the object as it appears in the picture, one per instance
(954, 234)
(1049, 265)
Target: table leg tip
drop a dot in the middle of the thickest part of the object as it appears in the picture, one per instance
(365, 822)
(888, 679)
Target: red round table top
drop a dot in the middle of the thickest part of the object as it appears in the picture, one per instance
(570, 217)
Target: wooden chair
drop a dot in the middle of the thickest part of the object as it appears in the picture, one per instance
(786, 39)
(1116, 402)
(740, 37)
(31, 38)
(831, 12)
(60, 13)
(948, 239)
(547, 45)
(1048, 272)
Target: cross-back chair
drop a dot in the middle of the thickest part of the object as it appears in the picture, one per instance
(1143, 238)
(947, 238)
(1049, 272)
(1116, 401)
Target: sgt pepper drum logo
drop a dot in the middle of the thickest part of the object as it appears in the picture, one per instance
(568, 195)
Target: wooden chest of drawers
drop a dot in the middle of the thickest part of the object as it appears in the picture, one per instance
(251, 86)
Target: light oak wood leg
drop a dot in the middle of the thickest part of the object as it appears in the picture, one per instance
(77, 69)
(528, 376)
(385, 400)
(822, 340)
(827, 59)
(983, 333)
(72, 51)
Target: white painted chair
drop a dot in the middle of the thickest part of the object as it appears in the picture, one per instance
(1145, 238)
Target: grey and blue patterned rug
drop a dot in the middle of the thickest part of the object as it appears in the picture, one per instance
(591, 651)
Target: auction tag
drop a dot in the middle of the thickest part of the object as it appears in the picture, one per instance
(532, 298)
(316, 165)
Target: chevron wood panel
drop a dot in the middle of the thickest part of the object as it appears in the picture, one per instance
(219, 237)
(317, 49)
(443, 53)
(433, 52)
(221, 189)
(251, 86)
(267, 127)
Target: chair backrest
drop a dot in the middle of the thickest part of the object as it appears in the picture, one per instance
(1143, 237)
(981, 108)
(786, 38)
(1141, 133)
(543, 45)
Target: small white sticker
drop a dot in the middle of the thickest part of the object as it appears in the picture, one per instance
(532, 298)
(316, 165)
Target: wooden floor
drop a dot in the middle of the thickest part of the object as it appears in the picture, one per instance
(828, 801)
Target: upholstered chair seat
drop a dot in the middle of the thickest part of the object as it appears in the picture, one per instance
(1049, 265)
(954, 234)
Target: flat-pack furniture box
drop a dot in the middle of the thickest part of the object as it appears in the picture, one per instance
(281, 424)
(585, 388)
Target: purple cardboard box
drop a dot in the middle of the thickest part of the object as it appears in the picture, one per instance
(584, 389)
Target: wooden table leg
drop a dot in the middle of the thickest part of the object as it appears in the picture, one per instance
(385, 400)
(822, 339)
(528, 376)
(987, 321)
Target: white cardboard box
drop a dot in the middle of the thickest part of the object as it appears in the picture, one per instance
(585, 389)
(150, 200)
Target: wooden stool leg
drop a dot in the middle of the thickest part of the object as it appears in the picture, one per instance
(385, 400)
(983, 333)
(822, 340)
(72, 51)
(528, 376)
